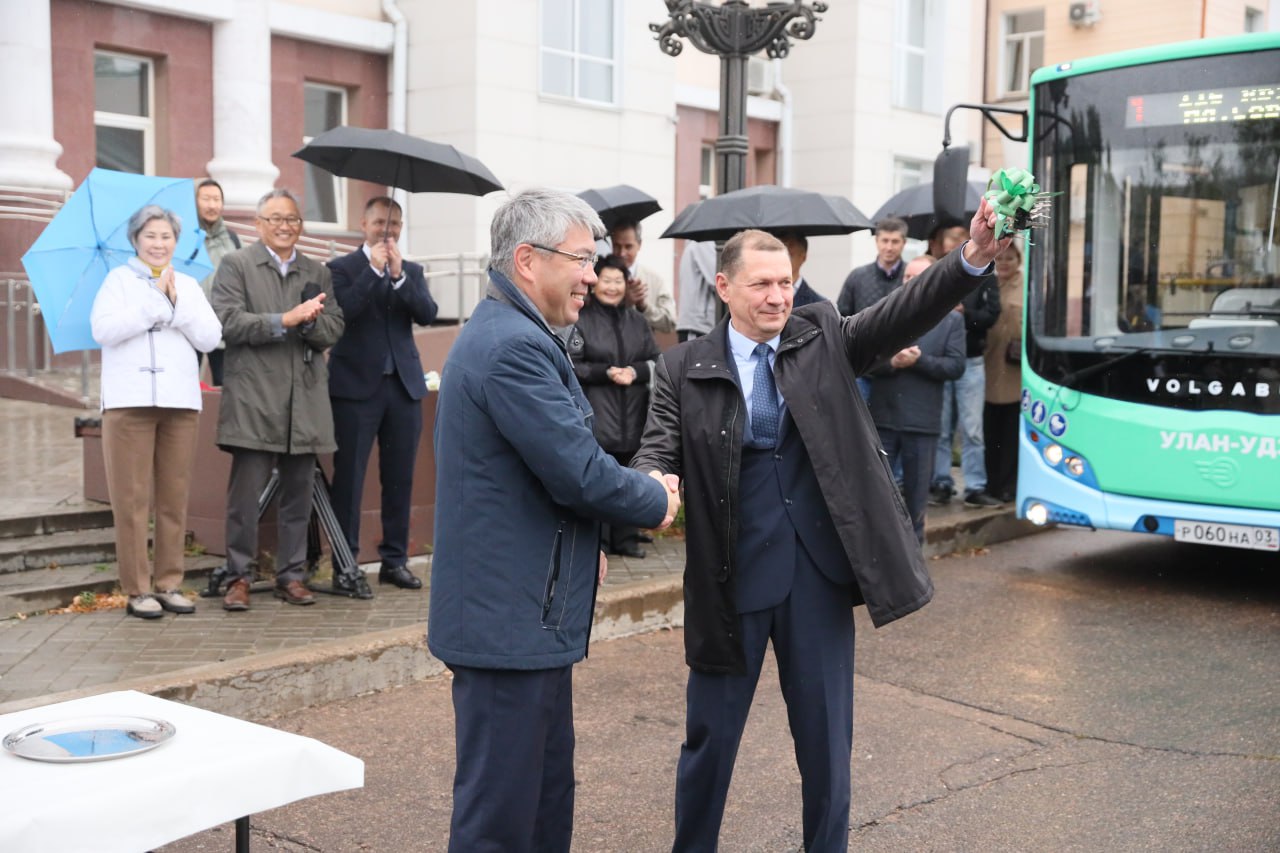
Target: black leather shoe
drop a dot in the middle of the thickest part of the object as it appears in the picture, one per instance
(631, 550)
(356, 586)
(399, 576)
(644, 538)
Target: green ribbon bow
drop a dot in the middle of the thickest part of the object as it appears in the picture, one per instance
(1013, 200)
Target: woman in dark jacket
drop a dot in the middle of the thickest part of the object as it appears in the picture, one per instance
(614, 362)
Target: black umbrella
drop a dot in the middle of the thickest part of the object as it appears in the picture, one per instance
(769, 208)
(915, 205)
(621, 203)
(396, 159)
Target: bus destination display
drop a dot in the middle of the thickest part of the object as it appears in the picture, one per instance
(1211, 106)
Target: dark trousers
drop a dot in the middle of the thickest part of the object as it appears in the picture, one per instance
(513, 788)
(250, 471)
(395, 419)
(1000, 423)
(215, 365)
(916, 452)
(615, 537)
(812, 633)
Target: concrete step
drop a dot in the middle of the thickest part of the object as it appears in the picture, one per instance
(86, 516)
(65, 548)
(35, 591)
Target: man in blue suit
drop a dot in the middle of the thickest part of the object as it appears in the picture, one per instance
(792, 516)
(376, 385)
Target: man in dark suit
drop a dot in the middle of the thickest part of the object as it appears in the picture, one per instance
(792, 516)
(376, 385)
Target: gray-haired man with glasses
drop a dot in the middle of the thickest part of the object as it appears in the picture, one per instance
(522, 487)
(278, 314)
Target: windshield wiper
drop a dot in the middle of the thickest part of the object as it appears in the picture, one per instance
(1085, 372)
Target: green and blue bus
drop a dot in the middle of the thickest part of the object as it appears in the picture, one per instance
(1151, 342)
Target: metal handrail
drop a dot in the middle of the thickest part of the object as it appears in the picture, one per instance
(469, 270)
(463, 266)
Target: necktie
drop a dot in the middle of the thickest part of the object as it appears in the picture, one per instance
(764, 401)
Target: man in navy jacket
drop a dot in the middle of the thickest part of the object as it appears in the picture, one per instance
(521, 489)
(376, 385)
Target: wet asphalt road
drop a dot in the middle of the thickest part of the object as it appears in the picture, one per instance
(1071, 691)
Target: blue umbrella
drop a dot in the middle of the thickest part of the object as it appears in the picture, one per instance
(89, 237)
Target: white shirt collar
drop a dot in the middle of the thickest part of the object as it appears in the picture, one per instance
(282, 264)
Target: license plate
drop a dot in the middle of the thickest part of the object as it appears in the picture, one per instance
(1228, 535)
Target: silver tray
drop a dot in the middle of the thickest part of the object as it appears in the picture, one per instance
(96, 738)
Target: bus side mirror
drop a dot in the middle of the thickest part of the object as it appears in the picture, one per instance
(950, 177)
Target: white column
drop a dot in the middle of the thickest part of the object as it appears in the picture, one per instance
(242, 105)
(28, 152)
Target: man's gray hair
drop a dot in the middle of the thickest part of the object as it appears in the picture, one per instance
(146, 214)
(279, 192)
(539, 215)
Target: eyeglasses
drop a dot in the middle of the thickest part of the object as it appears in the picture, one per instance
(584, 261)
(276, 220)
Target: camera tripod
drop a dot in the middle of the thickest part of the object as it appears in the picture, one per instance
(322, 518)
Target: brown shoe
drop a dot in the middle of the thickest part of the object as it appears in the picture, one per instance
(294, 592)
(237, 597)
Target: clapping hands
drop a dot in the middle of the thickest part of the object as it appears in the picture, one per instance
(385, 255)
(637, 293)
(905, 358)
(303, 312)
(168, 286)
(621, 375)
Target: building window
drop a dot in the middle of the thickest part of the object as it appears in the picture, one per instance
(707, 172)
(907, 173)
(916, 54)
(123, 112)
(325, 198)
(1023, 51)
(1253, 20)
(579, 50)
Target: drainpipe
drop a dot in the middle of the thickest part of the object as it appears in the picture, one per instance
(397, 108)
(784, 126)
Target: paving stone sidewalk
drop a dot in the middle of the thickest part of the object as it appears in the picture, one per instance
(52, 653)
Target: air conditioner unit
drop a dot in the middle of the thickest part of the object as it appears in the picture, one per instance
(1084, 14)
(759, 76)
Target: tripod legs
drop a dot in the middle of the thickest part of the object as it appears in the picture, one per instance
(347, 578)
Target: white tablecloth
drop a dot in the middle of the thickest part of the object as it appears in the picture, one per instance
(213, 770)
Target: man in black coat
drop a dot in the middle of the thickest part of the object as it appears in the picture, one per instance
(906, 400)
(792, 516)
(868, 284)
(376, 385)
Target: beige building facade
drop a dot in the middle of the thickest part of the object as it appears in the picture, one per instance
(1023, 35)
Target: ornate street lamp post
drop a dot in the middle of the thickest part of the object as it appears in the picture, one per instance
(734, 31)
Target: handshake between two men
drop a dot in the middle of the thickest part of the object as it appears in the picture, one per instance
(672, 484)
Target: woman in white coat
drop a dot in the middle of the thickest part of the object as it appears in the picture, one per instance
(150, 321)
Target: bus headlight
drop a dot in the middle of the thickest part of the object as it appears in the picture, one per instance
(1053, 454)
(1037, 514)
(1074, 465)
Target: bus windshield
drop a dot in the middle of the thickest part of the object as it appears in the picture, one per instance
(1162, 234)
